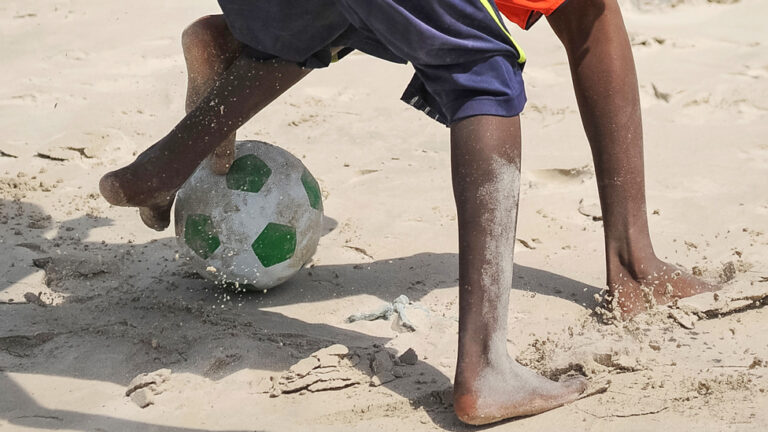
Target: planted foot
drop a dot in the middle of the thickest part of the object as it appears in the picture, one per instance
(631, 293)
(511, 390)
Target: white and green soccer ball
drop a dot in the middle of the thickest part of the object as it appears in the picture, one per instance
(256, 226)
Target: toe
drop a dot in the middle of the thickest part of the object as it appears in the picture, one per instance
(576, 384)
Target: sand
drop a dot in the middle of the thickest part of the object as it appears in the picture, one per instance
(90, 299)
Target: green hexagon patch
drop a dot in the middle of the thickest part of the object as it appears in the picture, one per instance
(200, 235)
(248, 174)
(313, 190)
(275, 244)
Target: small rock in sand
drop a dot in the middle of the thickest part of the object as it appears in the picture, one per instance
(409, 357)
(157, 378)
(603, 358)
(686, 321)
(327, 360)
(334, 350)
(143, 397)
(337, 375)
(626, 363)
(35, 299)
(304, 366)
(382, 362)
(728, 273)
(616, 361)
(382, 378)
(732, 298)
(299, 384)
(757, 362)
(350, 361)
(335, 384)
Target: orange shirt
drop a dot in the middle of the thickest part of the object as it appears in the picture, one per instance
(526, 12)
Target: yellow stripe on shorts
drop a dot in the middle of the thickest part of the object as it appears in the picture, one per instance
(491, 11)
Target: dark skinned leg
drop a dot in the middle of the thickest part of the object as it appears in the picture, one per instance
(151, 181)
(489, 385)
(605, 82)
(209, 50)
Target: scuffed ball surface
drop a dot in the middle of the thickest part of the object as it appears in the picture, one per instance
(254, 227)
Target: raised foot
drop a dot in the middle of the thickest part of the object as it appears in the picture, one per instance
(122, 189)
(510, 391)
(656, 284)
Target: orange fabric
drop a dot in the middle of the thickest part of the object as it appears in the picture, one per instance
(526, 12)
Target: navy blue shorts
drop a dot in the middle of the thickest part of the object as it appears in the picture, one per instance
(466, 63)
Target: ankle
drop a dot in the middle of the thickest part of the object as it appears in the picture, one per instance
(470, 369)
(631, 260)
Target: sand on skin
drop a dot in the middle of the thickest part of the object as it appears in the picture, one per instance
(90, 86)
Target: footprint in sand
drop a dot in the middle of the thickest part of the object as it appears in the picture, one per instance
(21, 99)
(754, 72)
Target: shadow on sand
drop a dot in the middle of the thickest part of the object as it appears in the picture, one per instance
(131, 308)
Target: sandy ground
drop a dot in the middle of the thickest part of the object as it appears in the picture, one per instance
(89, 298)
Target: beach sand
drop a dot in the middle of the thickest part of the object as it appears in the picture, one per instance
(91, 299)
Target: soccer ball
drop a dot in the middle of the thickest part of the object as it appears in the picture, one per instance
(256, 226)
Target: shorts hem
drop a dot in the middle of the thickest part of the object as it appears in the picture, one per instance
(508, 106)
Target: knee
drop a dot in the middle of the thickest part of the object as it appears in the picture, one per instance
(203, 31)
(574, 21)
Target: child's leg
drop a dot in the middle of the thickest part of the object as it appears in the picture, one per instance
(151, 181)
(605, 81)
(490, 385)
(209, 50)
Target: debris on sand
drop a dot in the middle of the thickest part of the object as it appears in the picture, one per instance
(613, 360)
(382, 362)
(385, 312)
(330, 368)
(728, 273)
(686, 321)
(556, 359)
(81, 151)
(335, 368)
(382, 378)
(733, 298)
(143, 397)
(757, 362)
(409, 357)
(305, 366)
(66, 267)
(50, 157)
(595, 388)
(144, 387)
(35, 299)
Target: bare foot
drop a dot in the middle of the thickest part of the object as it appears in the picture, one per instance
(126, 189)
(510, 390)
(631, 293)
